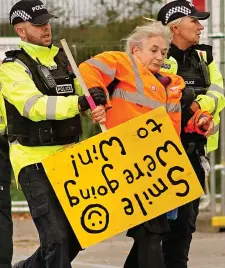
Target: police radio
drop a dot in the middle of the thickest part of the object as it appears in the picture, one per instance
(46, 76)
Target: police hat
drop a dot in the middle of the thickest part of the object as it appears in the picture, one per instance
(178, 9)
(33, 11)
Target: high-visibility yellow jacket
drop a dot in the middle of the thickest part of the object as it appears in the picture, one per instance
(213, 101)
(137, 90)
(18, 88)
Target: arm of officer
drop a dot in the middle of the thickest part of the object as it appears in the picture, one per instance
(214, 100)
(19, 89)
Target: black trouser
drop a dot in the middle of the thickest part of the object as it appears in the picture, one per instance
(176, 243)
(146, 251)
(58, 243)
(6, 244)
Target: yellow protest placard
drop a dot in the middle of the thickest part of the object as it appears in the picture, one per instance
(122, 177)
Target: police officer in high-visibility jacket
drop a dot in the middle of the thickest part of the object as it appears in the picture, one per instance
(205, 91)
(6, 244)
(135, 85)
(42, 110)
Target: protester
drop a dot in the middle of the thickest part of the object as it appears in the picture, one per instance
(135, 85)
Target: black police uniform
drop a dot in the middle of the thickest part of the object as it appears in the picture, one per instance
(6, 244)
(176, 243)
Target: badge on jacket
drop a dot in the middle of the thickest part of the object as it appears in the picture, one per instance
(67, 88)
(166, 66)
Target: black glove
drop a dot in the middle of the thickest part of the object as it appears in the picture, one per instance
(188, 96)
(97, 94)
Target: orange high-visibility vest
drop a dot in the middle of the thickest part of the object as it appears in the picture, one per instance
(137, 90)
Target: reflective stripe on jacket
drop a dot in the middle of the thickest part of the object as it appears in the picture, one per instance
(137, 91)
(213, 101)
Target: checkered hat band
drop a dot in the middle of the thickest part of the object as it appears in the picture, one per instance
(20, 14)
(180, 9)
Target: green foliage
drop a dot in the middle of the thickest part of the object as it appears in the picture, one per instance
(7, 30)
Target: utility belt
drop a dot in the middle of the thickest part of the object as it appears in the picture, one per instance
(47, 133)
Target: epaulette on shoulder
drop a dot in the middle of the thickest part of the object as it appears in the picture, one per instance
(204, 47)
(208, 50)
(9, 59)
(11, 56)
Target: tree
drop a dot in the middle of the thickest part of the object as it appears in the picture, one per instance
(145, 7)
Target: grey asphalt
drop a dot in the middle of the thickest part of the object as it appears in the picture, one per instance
(207, 251)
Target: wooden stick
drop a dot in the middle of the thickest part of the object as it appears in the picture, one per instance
(79, 77)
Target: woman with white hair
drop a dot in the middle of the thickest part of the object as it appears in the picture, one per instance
(135, 85)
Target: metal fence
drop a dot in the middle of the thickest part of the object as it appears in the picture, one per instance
(78, 12)
(89, 26)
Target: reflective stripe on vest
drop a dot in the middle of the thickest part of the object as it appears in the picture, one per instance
(141, 99)
(50, 107)
(216, 102)
(29, 104)
(216, 88)
(139, 83)
(137, 97)
(102, 67)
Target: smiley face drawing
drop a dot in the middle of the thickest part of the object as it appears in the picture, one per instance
(95, 219)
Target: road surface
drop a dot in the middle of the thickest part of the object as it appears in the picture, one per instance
(207, 251)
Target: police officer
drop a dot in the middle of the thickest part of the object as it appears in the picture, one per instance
(205, 91)
(6, 244)
(42, 116)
